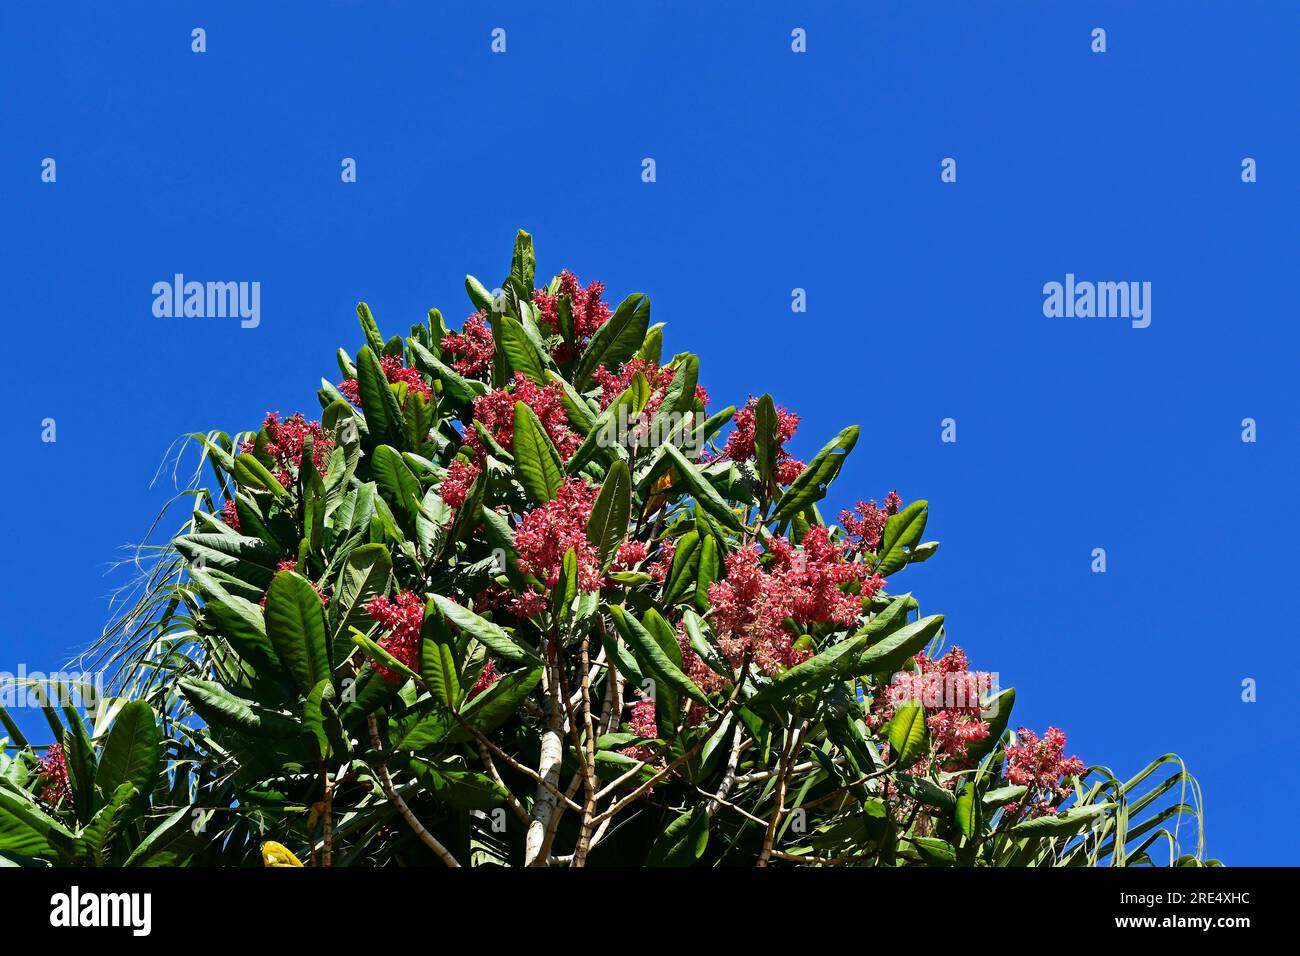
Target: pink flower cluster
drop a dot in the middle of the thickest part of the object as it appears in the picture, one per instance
(546, 533)
(950, 693)
(807, 585)
(395, 372)
(865, 523)
(402, 618)
(740, 443)
(230, 514)
(588, 310)
(658, 378)
(473, 344)
(53, 774)
(284, 445)
(641, 722)
(495, 411)
(1040, 766)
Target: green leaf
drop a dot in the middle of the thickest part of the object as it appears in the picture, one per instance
(967, 812)
(685, 567)
(295, 624)
(370, 328)
(220, 708)
(895, 649)
(902, 531)
(492, 708)
(503, 646)
(683, 841)
(607, 526)
(458, 788)
(438, 667)
(364, 575)
(997, 720)
(396, 482)
(816, 672)
(649, 650)
(25, 830)
(1066, 823)
(813, 482)
(381, 656)
(537, 463)
(906, 733)
(706, 496)
(383, 416)
(252, 474)
(616, 341)
(106, 822)
(766, 440)
(132, 753)
(519, 349)
(523, 264)
(478, 294)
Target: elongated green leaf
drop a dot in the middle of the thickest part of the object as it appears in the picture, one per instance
(685, 567)
(765, 439)
(383, 416)
(397, 483)
(537, 463)
(524, 262)
(503, 646)
(890, 654)
(519, 349)
(706, 496)
(220, 708)
(617, 340)
(830, 665)
(295, 624)
(607, 526)
(906, 733)
(133, 752)
(649, 650)
(683, 841)
(492, 708)
(438, 666)
(813, 482)
(901, 532)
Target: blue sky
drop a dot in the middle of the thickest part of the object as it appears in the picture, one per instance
(775, 170)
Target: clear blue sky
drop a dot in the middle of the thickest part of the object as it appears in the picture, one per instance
(775, 171)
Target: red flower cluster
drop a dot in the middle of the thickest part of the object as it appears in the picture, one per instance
(612, 386)
(588, 311)
(950, 692)
(53, 774)
(473, 344)
(751, 604)
(395, 372)
(455, 486)
(402, 618)
(495, 411)
(230, 514)
(864, 524)
(740, 443)
(546, 533)
(284, 445)
(1039, 765)
(485, 679)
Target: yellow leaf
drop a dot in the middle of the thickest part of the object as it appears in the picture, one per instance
(273, 854)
